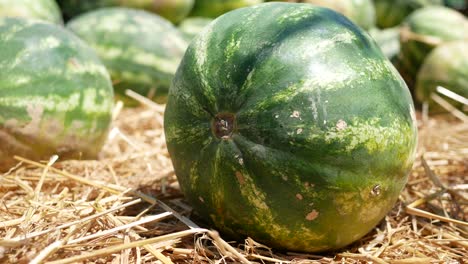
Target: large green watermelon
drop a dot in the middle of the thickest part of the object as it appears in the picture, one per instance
(286, 123)
(423, 30)
(39, 9)
(446, 66)
(215, 8)
(391, 13)
(141, 50)
(173, 10)
(55, 94)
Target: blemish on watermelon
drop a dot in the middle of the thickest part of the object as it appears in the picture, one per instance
(295, 114)
(312, 215)
(74, 63)
(341, 125)
(240, 177)
(376, 190)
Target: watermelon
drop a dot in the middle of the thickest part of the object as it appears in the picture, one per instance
(423, 30)
(47, 10)
(55, 95)
(445, 66)
(361, 12)
(391, 13)
(141, 50)
(173, 10)
(287, 124)
(215, 8)
(192, 26)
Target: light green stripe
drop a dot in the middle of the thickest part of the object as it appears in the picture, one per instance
(138, 56)
(56, 103)
(201, 53)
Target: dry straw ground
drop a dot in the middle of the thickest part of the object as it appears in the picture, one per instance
(127, 207)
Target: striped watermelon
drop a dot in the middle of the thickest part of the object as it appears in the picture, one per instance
(192, 26)
(55, 94)
(391, 13)
(173, 10)
(141, 50)
(286, 123)
(361, 12)
(446, 66)
(423, 30)
(215, 8)
(47, 10)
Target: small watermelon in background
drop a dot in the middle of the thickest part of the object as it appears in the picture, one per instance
(55, 94)
(424, 30)
(192, 26)
(173, 10)
(46, 10)
(286, 123)
(361, 12)
(215, 8)
(445, 66)
(141, 50)
(391, 13)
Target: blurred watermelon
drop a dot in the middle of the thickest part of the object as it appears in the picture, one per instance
(215, 8)
(424, 30)
(391, 13)
(173, 10)
(445, 67)
(140, 49)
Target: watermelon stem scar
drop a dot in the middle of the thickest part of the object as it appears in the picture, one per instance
(223, 125)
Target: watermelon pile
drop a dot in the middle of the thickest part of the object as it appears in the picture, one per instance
(290, 122)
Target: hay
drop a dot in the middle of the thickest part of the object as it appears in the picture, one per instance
(127, 207)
